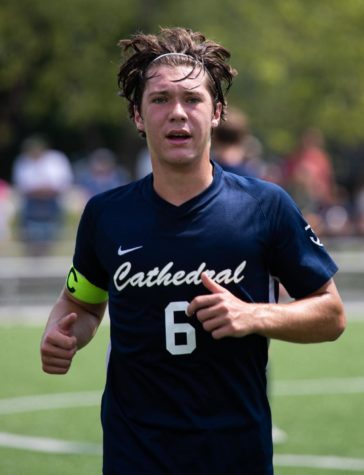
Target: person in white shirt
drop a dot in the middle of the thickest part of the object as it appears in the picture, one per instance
(41, 176)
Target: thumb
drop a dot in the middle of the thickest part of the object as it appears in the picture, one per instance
(66, 323)
(211, 285)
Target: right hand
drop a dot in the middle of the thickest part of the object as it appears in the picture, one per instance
(59, 345)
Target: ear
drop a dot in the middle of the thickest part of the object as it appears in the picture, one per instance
(138, 120)
(217, 115)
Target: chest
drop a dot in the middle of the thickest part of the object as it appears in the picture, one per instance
(148, 251)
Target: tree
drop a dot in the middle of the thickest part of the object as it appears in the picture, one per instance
(58, 63)
(299, 62)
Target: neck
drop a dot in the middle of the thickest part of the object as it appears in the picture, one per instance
(181, 183)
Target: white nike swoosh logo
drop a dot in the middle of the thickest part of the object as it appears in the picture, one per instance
(121, 251)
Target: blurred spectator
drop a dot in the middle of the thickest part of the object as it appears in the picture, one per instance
(41, 176)
(100, 172)
(337, 217)
(234, 147)
(6, 209)
(308, 175)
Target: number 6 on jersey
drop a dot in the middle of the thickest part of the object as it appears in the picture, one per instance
(173, 328)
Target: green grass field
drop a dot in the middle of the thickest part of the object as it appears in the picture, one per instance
(316, 393)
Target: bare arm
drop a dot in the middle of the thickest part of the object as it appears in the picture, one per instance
(71, 325)
(316, 318)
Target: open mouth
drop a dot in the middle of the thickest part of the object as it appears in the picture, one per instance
(178, 136)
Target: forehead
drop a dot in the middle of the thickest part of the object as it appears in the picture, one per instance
(181, 77)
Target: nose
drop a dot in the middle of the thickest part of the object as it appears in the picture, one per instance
(178, 112)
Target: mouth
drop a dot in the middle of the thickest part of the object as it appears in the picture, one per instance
(178, 136)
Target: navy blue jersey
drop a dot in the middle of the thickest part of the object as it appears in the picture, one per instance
(176, 400)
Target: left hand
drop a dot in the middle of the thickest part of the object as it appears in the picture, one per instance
(221, 313)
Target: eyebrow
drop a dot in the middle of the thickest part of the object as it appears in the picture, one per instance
(165, 92)
(157, 92)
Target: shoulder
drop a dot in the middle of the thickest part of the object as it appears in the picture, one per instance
(265, 200)
(260, 190)
(121, 195)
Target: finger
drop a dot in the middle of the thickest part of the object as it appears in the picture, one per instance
(59, 340)
(201, 301)
(207, 313)
(211, 285)
(54, 369)
(51, 351)
(219, 333)
(57, 362)
(66, 323)
(212, 324)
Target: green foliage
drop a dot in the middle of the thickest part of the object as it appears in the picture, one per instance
(61, 58)
(299, 62)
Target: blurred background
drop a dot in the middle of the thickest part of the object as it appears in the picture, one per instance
(296, 118)
(65, 133)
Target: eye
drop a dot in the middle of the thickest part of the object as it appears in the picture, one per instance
(159, 99)
(193, 99)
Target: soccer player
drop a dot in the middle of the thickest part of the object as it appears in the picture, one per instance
(188, 259)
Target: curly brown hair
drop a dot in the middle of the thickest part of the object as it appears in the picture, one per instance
(193, 49)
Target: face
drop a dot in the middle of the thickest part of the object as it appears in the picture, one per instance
(177, 117)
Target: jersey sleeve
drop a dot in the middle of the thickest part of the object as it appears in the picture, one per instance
(296, 256)
(87, 267)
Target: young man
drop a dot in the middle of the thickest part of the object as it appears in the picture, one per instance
(188, 259)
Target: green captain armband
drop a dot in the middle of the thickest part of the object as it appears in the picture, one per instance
(83, 290)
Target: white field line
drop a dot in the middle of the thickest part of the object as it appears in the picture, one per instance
(43, 444)
(91, 398)
(319, 462)
(47, 445)
(305, 387)
(57, 446)
(311, 387)
(44, 402)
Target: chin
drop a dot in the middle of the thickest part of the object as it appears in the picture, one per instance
(179, 160)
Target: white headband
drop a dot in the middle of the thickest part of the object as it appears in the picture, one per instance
(184, 55)
(176, 54)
